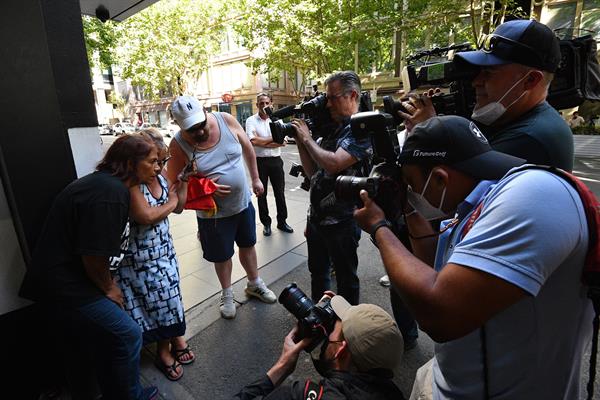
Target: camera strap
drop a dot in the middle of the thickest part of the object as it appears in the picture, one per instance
(590, 276)
(312, 390)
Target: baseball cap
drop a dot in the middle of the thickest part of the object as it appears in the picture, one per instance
(457, 142)
(187, 111)
(373, 337)
(525, 42)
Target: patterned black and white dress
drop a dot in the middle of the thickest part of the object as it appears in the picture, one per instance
(149, 276)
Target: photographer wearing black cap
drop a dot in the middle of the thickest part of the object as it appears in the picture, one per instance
(505, 304)
(517, 64)
(356, 360)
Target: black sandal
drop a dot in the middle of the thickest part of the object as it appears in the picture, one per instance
(170, 371)
(178, 353)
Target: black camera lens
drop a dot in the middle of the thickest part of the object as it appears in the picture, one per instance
(280, 129)
(313, 104)
(295, 301)
(349, 187)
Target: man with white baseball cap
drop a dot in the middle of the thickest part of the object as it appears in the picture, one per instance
(216, 146)
(356, 359)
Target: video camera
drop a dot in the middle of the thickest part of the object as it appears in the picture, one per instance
(315, 321)
(456, 75)
(314, 112)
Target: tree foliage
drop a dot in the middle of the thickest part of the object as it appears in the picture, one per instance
(167, 45)
(100, 41)
(320, 36)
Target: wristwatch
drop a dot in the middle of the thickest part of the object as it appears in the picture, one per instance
(376, 226)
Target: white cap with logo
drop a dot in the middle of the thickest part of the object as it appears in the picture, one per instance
(187, 111)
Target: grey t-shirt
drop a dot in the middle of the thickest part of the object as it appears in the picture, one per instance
(223, 161)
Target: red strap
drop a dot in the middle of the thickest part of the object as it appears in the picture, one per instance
(471, 220)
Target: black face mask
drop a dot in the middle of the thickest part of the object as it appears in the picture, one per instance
(321, 364)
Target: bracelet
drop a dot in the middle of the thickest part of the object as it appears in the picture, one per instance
(382, 223)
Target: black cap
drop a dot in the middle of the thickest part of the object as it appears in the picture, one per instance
(456, 142)
(519, 41)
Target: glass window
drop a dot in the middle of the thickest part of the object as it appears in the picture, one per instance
(243, 111)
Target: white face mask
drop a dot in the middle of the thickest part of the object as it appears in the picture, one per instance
(490, 113)
(422, 206)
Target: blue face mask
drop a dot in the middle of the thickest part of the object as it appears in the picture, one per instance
(422, 206)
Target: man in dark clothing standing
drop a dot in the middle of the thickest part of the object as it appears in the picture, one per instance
(356, 360)
(331, 233)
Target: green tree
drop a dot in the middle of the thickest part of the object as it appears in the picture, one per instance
(100, 41)
(166, 46)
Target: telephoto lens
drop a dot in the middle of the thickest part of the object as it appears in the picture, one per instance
(315, 321)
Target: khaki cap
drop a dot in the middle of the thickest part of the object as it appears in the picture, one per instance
(372, 335)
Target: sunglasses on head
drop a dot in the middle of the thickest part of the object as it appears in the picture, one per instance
(509, 49)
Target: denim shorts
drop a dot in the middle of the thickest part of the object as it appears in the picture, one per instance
(217, 235)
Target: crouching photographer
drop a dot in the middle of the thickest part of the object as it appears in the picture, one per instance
(361, 346)
(331, 233)
(490, 300)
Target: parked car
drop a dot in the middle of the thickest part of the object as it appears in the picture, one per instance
(172, 128)
(105, 129)
(163, 131)
(123, 127)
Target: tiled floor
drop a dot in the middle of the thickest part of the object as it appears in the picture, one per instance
(198, 278)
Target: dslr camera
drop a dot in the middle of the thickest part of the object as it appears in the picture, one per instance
(315, 321)
(455, 76)
(384, 183)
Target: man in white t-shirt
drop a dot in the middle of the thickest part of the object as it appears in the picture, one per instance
(270, 165)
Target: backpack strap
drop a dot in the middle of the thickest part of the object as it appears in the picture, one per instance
(590, 276)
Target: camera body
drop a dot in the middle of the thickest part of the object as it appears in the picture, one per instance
(313, 110)
(455, 75)
(297, 170)
(384, 183)
(315, 321)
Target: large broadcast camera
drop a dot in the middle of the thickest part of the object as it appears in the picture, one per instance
(455, 76)
(315, 321)
(314, 112)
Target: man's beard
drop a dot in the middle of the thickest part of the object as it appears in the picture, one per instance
(201, 139)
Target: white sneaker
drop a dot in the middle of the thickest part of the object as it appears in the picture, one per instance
(384, 281)
(227, 306)
(261, 291)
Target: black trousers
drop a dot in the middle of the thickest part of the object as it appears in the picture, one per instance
(271, 168)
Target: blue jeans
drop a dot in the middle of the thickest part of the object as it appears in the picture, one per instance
(333, 244)
(116, 340)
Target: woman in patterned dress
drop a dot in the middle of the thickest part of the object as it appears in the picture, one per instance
(149, 273)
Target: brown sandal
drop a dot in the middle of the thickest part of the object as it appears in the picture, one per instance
(170, 371)
(178, 353)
